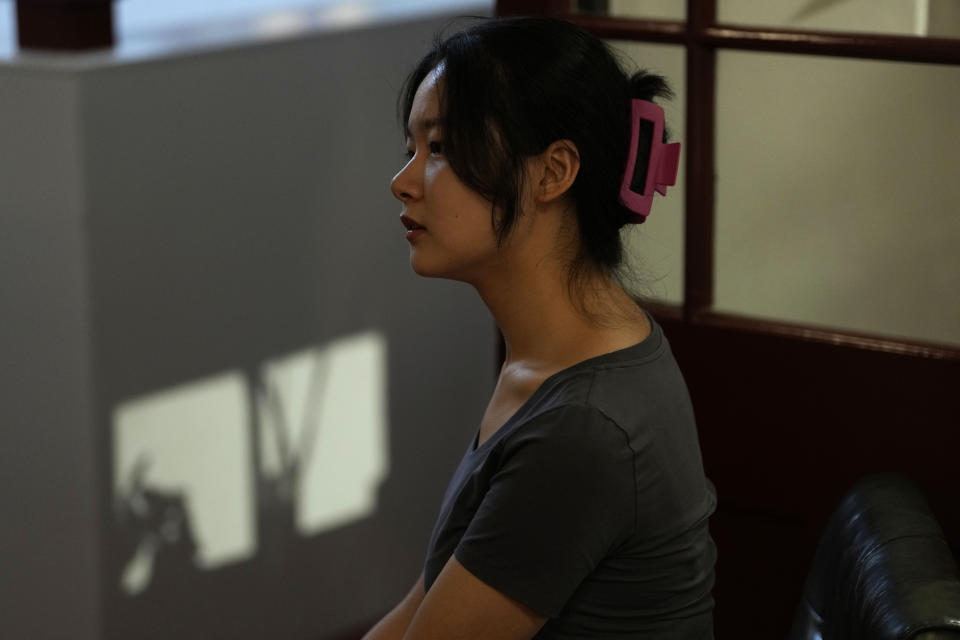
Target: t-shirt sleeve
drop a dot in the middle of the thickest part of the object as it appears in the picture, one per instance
(562, 498)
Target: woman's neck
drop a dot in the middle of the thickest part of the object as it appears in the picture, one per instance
(550, 325)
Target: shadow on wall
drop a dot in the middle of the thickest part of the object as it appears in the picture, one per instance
(223, 486)
(225, 469)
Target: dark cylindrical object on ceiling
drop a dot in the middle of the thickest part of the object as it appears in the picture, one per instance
(65, 25)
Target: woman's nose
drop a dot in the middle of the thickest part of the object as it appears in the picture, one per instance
(404, 185)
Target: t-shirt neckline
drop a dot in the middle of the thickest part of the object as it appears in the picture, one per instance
(635, 352)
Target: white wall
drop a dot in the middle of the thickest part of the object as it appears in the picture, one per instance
(48, 502)
(172, 220)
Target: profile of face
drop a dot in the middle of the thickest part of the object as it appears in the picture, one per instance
(448, 225)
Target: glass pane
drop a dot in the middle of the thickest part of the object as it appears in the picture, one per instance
(645, 9)
(837, 193)
(135, 17)
(655, 248)
(939, 18)
(7, 29)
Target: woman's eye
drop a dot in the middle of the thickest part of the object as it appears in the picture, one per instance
(436, 147)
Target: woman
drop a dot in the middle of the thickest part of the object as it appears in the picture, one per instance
(580, 509)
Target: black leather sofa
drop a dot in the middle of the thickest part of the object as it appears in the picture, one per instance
(882, 570)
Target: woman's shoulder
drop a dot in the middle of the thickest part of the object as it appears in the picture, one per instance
(623, 377)
(636, 393)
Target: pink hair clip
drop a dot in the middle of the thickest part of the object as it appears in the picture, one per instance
(651, 165)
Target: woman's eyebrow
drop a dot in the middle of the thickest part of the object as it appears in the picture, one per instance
(424, 125)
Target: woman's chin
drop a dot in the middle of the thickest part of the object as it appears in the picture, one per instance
(424, 269)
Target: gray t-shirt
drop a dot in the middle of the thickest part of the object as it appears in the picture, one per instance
(590, 505)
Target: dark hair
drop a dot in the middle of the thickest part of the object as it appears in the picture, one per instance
(513, 86)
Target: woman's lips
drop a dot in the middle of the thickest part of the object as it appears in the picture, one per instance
(413, 227)
(410, 223)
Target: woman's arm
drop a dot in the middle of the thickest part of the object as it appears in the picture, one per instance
(462, 607)
(394, 625)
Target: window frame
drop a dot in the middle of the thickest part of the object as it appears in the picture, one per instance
(701, 36)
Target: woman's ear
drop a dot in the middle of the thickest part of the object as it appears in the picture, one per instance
(560, 163)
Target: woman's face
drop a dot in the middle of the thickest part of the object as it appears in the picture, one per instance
(448, 225)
